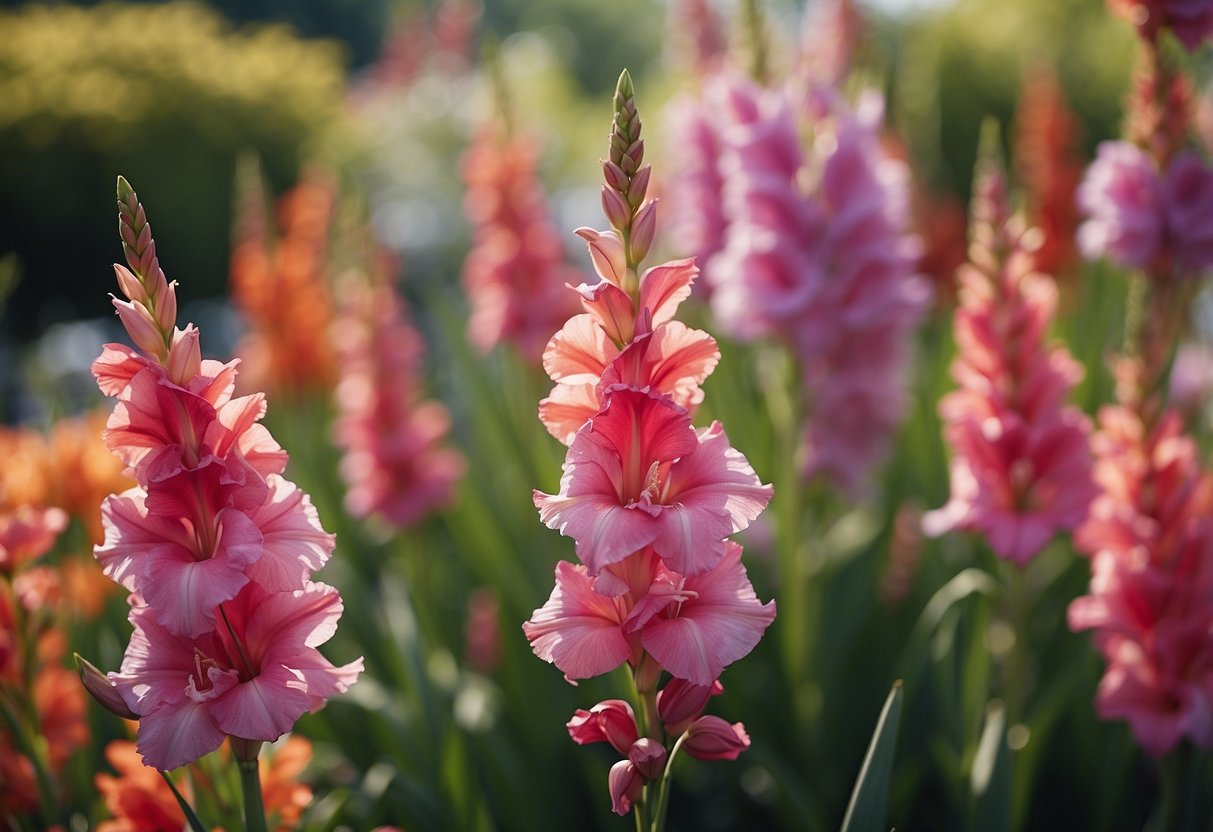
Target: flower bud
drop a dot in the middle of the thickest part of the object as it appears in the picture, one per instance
(615, 178)
(625, 783)
(711, 738)
(639, 186)
(648, 756)
(166, 307)
(184, 356)
(680, 702)
(644, 227)
(140, 326)
(606, 253)
(610, 721)
(616, 208)
(102, 689)
(129, 284)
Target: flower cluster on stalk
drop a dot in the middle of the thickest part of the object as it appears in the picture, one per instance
(1020, 469)
(216, 547)
(649, 500)
(807, 243)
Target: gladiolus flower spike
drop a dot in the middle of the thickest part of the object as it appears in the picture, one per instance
(649, 499)
(215, 546)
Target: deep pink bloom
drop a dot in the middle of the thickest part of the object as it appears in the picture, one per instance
(395, 464)
(681, 702)
(1021, 469)
(625, 783)
(711, 738)
(639, 474)
(693, 626)
(1187, 189)
(1121, 195)
(609, 721)
(1190, 20)
(1150, 602)
(251, 676)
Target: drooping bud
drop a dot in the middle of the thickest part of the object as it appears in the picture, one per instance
(711, 738)
(102, 689)
(680, 703)
(625, 783)
(610, 721)
(648, 755)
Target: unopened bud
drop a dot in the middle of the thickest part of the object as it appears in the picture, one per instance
(166, 306)
(606, 252)
(616, 208)
(680, 702)
(614, 176)
(102, 689)
(129, 284)
(184, 356)
(140, 326)
(648, 756)
(610, 721)
(625, 783)
(711, 738)
(639, 186)
(644, 228)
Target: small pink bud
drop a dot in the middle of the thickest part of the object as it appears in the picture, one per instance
(648, 756)
(102, 689)
(606, 252)
(640, 184)
(616, 208)
(615, 178)
(625, 783)
(610, 721)
(129, 284)
(184, 356)
(680, 702)
(166, 307)
(711, 738)
(644, 227)
(140, 326)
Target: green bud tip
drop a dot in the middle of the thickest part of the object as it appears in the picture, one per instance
(125, 192)
(623, 87)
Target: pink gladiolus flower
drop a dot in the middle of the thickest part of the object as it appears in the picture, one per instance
(26, 533)
(515, 274)
(394, 464)
(1150, 602)
(251, 676)
(638, 474)
(1122, 197)
(1020, 465)
(1187, 191)
(693, 626)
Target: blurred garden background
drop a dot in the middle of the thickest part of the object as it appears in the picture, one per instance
(289, 154)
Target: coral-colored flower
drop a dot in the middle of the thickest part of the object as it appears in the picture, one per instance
(394, 465)
(279, 285)
(515, 273)
(638, 474)
(1020, 470)
(137, 799)
(252, 676)
(27, 533)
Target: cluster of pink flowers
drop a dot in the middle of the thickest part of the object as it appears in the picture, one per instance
(649, 499)
(394, 465)
(515, 273)
(1150, 538)
(1021, 468)
(1137, 214)
(216, 547)
(809, 245)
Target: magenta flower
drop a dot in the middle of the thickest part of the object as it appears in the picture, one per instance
(1021, 469)
(1190, 20)
(1187, 189)
(394, 465)
(252, 675)
(638, 474)
(1122, 197)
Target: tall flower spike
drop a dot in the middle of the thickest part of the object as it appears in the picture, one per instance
(1020, 467)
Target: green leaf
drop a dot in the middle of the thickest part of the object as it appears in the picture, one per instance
(870, 798)
(990, 777)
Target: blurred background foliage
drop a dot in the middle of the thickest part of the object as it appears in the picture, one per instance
(171, 95)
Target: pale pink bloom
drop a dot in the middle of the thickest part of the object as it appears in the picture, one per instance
(1187, 190)
(394, 464)
(693, 626)
(697, 222)
(639, 474)
(1150, 603)
(515, 273)
(1021, 468)
(1121, 195)
(27, 532)
(252, 676)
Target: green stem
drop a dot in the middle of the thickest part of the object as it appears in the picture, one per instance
(254, 806)
(31, 744)
(1017, 670)
(191, 816)
(663, 788)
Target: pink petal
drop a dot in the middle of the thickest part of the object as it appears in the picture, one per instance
(294, 544)
(664, 287)
(174, 735)
(579, 352)
(578, 630)
(183, 593)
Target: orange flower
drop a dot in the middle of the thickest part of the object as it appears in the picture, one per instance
(278, 283)
(138, 798)
(284, 796)
(82, 470)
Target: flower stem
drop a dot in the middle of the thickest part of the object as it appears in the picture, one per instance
(254, 806)
(191, 817)
(663, 788)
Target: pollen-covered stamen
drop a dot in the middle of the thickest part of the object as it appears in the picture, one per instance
(200, 677)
